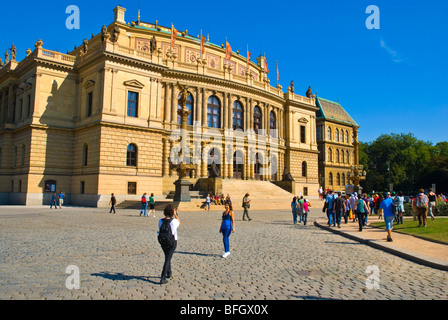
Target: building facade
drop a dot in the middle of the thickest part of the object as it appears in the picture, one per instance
(103, 118)
(336, 139)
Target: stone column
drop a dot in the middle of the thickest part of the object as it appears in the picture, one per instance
(204, 109)
(167, 116)
(198, 105)
(174, 103)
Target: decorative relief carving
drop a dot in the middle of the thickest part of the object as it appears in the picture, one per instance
(191, 55)
(166, 47)
(143, 44)
(213, 61)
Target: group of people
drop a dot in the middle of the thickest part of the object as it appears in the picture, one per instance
(300, 208)
(216, 200)
(145, 201)
(57, 199)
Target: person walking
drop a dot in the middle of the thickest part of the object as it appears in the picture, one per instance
(294, 209)
(386, 207)
(347, 208)
(380, 211)
(168, 239)
(360, 209)
(339, 209)
(144, 205)
(300, 201)
(305, 209)
(61, 199)
(227, 227)
(246, 206)
(400, 207)
(53, 201)
(421, 205)
(112, 203)
(432, 198)
(329, 200)
(207, 201)
(152, 204)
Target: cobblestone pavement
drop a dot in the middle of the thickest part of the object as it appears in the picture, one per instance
(118, 257)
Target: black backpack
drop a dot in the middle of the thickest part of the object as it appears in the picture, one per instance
(166, 237)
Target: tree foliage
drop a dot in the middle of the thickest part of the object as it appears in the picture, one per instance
(404, 161)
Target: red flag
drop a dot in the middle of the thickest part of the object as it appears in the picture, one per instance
(203, 40)
(266, 69)
(228, 51)
(248, 59)
(173, 36)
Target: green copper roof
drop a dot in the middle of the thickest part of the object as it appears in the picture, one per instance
(331, 110)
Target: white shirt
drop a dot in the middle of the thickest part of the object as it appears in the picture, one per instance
(174, 225)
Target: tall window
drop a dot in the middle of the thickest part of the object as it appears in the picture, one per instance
(238, 116)
(304, 169)
(257, 119)
(89, 104)
(272, 124)
(303, 134)
(131, 158)
(329, 133)
(330, 179)
(330, 155)
(338, 179)
(189, 106)
(85, 154)
(132, 104)
(346, 136)
(336, 135)
(213, 112)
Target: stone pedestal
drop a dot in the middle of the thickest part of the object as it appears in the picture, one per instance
(182, 192)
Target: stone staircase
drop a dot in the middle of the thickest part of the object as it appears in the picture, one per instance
(264, 195)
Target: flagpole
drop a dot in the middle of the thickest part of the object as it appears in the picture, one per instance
(201, 44)
(276, 65)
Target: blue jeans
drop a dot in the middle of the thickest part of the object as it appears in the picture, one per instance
(331, 216)
(304, 217)
(294, 216)
(225, 237)
(144, 208)
(338, 216)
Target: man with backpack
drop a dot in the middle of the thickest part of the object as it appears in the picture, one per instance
(144, 205)
(168, 239)
(421, 205)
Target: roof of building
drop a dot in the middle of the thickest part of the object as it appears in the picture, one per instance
(331, 110)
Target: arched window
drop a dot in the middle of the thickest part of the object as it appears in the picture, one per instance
(336, 135)
(337, 155)
(343, 179)
(330, 179)
(214, 112)
(238, 116)
(273, 124)
(346, 136)
(131, 156)
(330, 155)
(348, 157)
(189, 106)
(329, 133)
(342, 156)
(85, 154)
(304, 169)
(257, 119)
(338, 179)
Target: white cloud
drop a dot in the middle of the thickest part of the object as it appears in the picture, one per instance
(393, 53)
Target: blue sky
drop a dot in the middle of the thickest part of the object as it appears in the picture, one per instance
(391, 80)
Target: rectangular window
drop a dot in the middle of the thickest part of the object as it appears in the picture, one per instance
(89, 104)
(28, 106)
(20, 109)
(83, 187)
(305, 191)
(132, 104)
(303, 134)
(132, 187)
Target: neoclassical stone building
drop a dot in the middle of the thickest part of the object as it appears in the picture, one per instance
(100, 119)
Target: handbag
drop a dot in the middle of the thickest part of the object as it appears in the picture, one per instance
(325, 206)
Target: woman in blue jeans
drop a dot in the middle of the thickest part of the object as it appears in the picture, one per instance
(227, 227)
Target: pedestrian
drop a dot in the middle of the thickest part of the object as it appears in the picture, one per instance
(144, 205)
(321, 191)
(152, 204)
(168, 239)
(207, 201)
(361, 208)
(386, 207)
(329, 203)
(400, 207)
(366, 200)
(112, 203)
(61, 199)
(305, 209)
(227, 227)
(347, 208)
(294, 209)
(246, 206)
(300, 208)
(228, 200)
(53, 201)
(339, 209)
(432, 205)
(421, 205)
(380, 211)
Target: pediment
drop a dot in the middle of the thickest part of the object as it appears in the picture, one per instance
(89, 84)
(303, 120)
(134, 83)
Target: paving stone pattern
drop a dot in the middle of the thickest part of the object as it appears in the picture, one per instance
(119, 258)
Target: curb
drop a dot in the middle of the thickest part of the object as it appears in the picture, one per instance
(400, 253)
